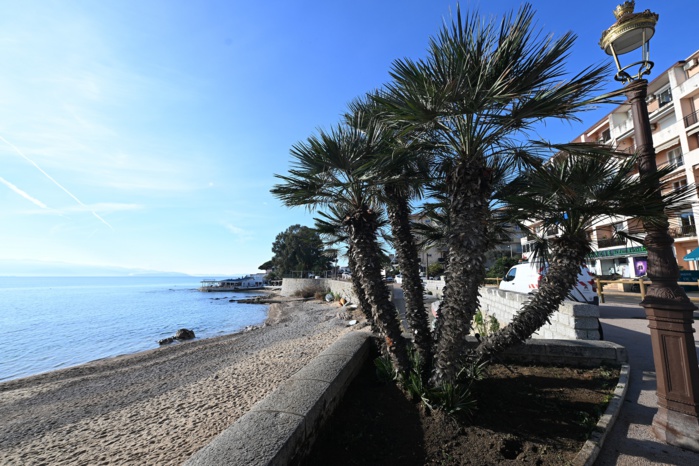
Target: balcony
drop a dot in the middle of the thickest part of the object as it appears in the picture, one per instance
(625, 126)
(610, 242)
(689, 85)
(666, 134)
(691, 119)
(684, 231)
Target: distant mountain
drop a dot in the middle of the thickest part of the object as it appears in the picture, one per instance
(17, 268)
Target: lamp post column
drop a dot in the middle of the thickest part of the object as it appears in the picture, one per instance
(668, 310)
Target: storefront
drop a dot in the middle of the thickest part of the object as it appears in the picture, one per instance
(628, 262)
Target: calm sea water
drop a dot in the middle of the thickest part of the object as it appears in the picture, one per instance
(49, 323)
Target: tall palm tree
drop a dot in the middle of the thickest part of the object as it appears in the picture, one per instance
(400, 175)
(329, 170)
(482, 89)
(571, 192)
(330, 227)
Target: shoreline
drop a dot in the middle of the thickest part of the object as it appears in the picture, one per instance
(161, 405)
(269, 294)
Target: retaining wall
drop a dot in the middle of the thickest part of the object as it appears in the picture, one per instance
(290, 286)
(575, 321)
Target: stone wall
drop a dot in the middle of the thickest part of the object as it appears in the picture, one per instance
(575, 321)
(344, 288)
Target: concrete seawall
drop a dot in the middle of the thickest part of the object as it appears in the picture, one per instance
(291, 286)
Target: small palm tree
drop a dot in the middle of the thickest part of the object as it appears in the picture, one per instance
(482, 89)
(572, 192)
(329, 169)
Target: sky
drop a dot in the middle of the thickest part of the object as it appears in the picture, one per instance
(146, 134)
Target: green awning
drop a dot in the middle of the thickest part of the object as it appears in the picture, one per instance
(692, 256)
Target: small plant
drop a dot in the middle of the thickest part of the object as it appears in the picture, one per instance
(384, 369)
(485, 324)
(586, 420)
(454, 398)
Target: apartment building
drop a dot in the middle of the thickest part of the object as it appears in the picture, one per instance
(673, 107)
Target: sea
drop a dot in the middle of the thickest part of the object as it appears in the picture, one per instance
(49, 323)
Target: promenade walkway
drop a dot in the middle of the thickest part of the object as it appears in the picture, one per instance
(631, 441)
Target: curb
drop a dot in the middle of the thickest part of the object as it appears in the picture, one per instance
(284, 424)
(592, 447)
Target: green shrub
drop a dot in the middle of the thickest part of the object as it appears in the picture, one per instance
(485, 325)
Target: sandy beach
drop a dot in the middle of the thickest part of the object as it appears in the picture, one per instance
(159, 406)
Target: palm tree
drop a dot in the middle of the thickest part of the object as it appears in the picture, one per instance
(329, 170)
(571, 192)
(399, 175)
(482, 89)
(330, 227)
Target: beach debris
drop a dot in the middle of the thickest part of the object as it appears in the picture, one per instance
(250, 328)
(343, 301)
(329, 297)
(182, 334)
(351, 323)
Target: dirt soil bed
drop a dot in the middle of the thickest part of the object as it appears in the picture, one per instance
(526, 415)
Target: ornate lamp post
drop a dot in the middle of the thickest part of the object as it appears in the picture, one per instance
(667, 307)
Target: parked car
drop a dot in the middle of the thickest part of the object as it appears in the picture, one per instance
(525, 278)
(389, 279)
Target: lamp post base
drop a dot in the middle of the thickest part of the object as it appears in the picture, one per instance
(675, 428)
(676, 370)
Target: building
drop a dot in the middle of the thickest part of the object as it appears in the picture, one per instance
(673, 107)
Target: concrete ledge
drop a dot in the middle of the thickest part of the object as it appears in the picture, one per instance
(284, 424)
(579, 353)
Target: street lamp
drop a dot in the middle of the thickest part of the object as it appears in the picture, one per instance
(668, 310)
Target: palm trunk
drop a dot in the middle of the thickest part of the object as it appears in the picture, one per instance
(365, 250)
(415, 313)
(568, 254)
(359, 291)
(469, 194)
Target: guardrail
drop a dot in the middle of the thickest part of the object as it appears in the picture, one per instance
(489, 281)
(642, 284)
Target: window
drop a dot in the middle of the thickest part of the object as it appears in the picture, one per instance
(664, 97)
(674, 157)
(687, 218)
(679, 184)
(606, 136)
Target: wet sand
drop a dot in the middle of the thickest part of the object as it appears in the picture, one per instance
(159, 406)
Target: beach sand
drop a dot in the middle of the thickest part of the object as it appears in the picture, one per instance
(159, 406)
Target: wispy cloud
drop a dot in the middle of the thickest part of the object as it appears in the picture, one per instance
(237, 231)
(54, 181)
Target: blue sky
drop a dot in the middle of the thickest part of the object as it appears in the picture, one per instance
(146, 134)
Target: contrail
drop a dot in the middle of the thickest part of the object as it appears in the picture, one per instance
(55, 182)
(14, 188)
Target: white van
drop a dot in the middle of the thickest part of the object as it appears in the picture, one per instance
(525, 278)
